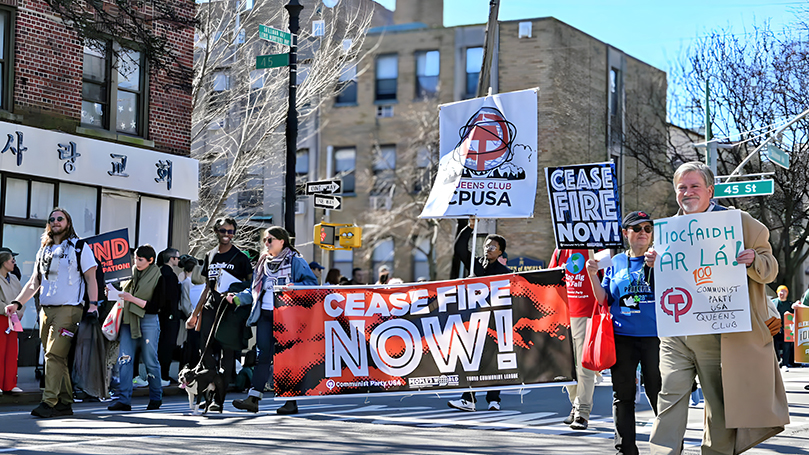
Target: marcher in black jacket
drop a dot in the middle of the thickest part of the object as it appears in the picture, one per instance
(495, 248)
(168, 295)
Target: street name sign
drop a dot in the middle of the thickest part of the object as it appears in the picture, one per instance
(272, 61)
(274, 35)
(778, 156)
(324, 187)
(328, 202)
(744, 189)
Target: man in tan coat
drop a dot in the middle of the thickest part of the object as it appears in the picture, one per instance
(745, 400)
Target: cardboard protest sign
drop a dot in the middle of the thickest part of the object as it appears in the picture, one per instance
(699, 287)
(112, 251)
(802, 334)
(488, 162)
(584, 206)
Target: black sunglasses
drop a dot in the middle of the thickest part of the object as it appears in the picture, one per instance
(58, 218)
(637, 228)
(227, 231)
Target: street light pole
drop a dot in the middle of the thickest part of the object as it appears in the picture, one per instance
(294, 8)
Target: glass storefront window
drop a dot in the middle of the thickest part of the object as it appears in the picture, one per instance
(17, 198)
(41, 200)
(81, 202)
(154, 228)
(26, 241)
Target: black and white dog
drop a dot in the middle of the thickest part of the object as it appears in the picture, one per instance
(204, 382)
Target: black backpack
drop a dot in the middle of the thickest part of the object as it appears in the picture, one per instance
(102, 298)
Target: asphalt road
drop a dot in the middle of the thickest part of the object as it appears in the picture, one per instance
(529, 422)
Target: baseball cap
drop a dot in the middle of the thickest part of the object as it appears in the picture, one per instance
(5, 249)
(636, 218)
(314, 265)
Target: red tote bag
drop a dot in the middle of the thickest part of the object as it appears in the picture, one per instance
(599, 344)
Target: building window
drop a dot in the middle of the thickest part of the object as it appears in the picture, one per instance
(343, 260)
(347, 85)
(384, 170)
(251, 201)
(421, 263)
(474, 62)
(387, 71)
(106, 77)
(302, 163)
(525, 30)
(422, 177)
(382, 255)
(427, 69)
(6, 52)
(345, 160)
(616, 118)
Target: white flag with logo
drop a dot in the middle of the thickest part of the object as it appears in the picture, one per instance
(488, 163)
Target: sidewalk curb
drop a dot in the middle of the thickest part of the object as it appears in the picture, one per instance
(35, 397)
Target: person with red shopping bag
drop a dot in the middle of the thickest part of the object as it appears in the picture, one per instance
(628, 290)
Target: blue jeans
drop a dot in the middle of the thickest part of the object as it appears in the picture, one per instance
(265, 346)
(150, 335)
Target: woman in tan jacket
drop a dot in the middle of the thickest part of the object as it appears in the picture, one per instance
(9, 288)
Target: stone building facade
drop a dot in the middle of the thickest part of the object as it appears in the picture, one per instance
(592, 98)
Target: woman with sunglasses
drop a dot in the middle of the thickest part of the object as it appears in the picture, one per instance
(628, 290)
(279, 264)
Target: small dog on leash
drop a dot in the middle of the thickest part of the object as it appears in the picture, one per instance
(203, 382)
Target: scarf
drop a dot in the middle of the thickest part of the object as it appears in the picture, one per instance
(142, 286)
(269, 270)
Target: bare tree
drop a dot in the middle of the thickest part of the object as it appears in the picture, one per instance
(399, 192)
(758, 81)
(239, 112)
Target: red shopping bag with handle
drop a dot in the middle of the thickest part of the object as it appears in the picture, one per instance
(599, 343)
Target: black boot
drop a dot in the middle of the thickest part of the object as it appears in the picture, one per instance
(250, 404)
(290, 407)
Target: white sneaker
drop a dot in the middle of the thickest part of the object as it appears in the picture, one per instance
(463, 405)
(16, 390)
(164, 382)
(494, 406)
(139, 382)
(785, 369)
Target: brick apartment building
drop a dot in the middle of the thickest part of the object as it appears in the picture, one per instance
(594, 101)
(109, 143)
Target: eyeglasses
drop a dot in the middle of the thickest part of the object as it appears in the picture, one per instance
(226, 231)
(637, 228)
(269, 239)
(58, 218)
(175, 257)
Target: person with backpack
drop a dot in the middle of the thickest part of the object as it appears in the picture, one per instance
(223, 259)
(140, 327)
(61, 262)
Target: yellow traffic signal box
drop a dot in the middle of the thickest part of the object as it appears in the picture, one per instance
(337, 236)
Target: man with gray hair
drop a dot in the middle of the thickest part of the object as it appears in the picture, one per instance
(745, 400)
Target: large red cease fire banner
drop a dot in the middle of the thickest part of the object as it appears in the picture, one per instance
(498, 332)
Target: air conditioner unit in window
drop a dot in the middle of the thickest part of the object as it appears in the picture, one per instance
(381, 202)
(300, 207)
(384, 111)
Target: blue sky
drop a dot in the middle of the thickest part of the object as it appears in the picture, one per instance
(653, 31)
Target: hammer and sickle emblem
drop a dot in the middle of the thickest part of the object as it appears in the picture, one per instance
(676, 301)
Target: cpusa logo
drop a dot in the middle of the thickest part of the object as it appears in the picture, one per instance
(485, 146)
(676, 302)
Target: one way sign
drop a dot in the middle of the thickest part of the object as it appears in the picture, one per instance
(325, 187)
(328, 202)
